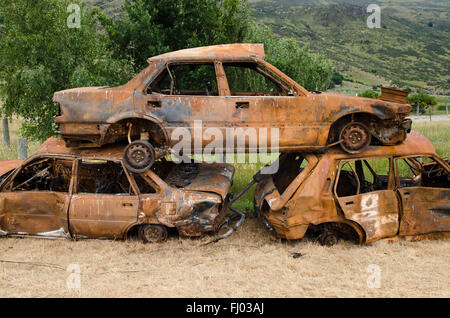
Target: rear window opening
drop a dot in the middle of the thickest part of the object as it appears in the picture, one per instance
(291, 165)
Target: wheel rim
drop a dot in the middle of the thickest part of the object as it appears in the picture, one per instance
(139, 155)
(355, 137)
(154, 233)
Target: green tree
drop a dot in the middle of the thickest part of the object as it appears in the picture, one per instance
(152, 27)
(337, 78)
(40, 54)
(369, 94)
(312, 71)
(424, 101)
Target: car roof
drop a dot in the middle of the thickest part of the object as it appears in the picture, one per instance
(414, 144)
(243, 51)
(56, 146)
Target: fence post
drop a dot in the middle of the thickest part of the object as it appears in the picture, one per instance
(22, 149)
(446, 108)
(418, 110)
(5, 125)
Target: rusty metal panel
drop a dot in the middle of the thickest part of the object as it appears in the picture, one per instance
(376, 212)
(102, 215)
(425, 210)
(9, 165)
(34, 213)
(393, 95)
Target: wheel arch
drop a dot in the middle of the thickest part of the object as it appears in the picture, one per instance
(342, 120)
(157, 125)
(356, 232)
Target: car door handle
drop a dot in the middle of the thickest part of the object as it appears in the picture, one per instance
(127, 204)
(154, 104)
(242, 105)
(349, 203)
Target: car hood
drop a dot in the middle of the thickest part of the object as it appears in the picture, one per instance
(8, 165)
(215, 178)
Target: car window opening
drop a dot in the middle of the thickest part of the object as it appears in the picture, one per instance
(106, 177)
(363, 176)
(291, 165)
(48, 174)
(249, 79)
(421, 172)
(186, 79)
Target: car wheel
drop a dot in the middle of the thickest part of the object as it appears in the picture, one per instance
(139, 156)
(151, 233)
(328, 238)
(355, 137)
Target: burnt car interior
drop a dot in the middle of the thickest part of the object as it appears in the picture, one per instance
(186, 79)
(421, 172)
(105, 177)
(175, 175)
(48, 174)
(97, 176)
(292, 163)
(363, 176)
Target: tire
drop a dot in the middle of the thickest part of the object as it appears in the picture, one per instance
(328, 238)
(152, 233)
(355, 137)
(139, 156)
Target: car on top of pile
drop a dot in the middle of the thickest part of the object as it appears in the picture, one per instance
(206, 84)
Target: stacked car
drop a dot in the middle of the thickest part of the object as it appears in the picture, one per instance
(349, 166)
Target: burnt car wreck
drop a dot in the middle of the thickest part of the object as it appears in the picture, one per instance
(350, 167)
(383, 192)
(62, 192)
(179, 88)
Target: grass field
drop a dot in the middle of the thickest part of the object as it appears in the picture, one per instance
(248, 264)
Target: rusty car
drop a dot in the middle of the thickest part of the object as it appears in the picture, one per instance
(397, 192)
(205, 84)
(63, 192)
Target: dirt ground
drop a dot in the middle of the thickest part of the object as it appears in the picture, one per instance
(248, 264)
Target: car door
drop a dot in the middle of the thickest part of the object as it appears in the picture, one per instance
(104, 203)
(375, 207)
(260, 100)
(36, 198)
(424, 188)
(185, 93)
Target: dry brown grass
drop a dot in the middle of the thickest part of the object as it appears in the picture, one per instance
(247, 264)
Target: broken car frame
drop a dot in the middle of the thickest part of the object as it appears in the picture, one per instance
(62, 192)
(149, 108)
(389, 191)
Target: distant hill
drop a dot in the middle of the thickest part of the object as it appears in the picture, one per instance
(411, 49)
